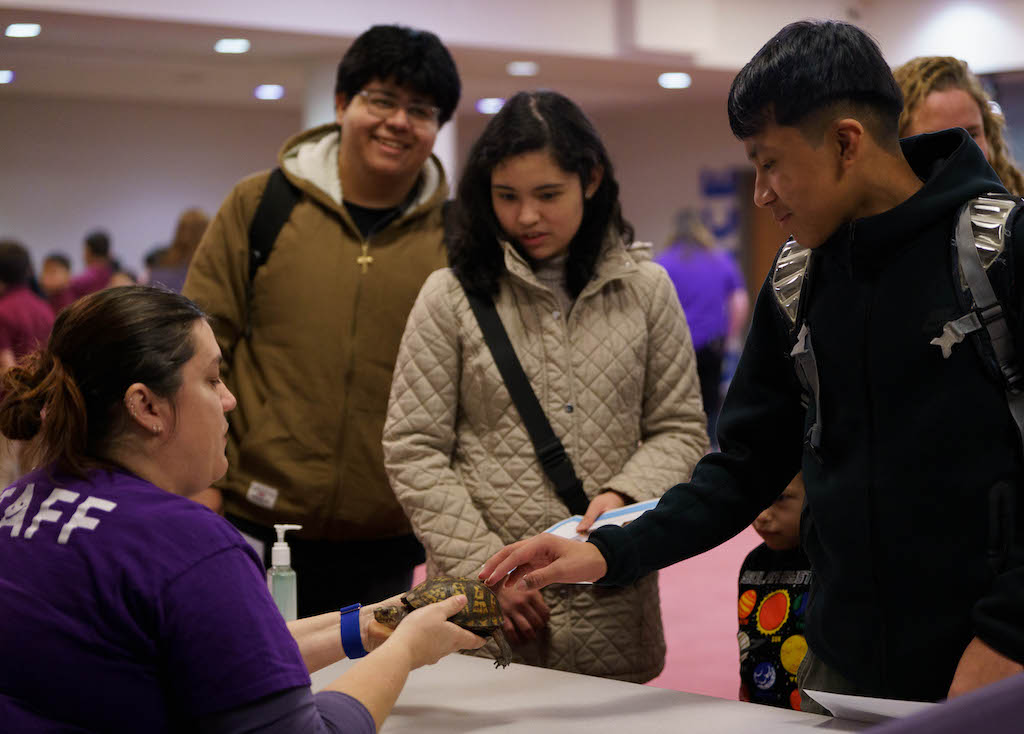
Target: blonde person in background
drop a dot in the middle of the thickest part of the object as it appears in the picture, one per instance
(172, 266)
(605, 347)
(941, 92)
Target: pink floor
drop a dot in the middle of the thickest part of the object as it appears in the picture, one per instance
(698, 605)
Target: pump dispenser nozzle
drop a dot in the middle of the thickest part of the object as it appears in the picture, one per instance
(281, 554)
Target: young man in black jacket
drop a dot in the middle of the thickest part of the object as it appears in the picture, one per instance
(906, 441)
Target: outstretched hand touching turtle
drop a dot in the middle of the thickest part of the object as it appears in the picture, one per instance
(544, 559)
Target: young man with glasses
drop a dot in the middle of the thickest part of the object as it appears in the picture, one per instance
(310, 336)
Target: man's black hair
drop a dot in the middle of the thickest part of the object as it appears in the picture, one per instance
(15, 266)
(406, 56)
(809, 67)
(60, 258)
(98, 243)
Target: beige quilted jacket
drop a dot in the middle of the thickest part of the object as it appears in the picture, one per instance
(618, 381)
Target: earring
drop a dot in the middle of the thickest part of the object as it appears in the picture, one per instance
(156, 429)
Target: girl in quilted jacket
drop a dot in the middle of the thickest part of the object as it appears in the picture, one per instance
(603, 341)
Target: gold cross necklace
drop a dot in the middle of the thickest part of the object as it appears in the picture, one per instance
(366, 259)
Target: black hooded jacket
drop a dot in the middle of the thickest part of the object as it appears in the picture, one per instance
(896, 522)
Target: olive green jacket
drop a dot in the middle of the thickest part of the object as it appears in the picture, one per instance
(309, 346)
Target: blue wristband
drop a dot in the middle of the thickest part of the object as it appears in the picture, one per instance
(351, 639)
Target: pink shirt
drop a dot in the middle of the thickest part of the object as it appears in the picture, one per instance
(95, 278)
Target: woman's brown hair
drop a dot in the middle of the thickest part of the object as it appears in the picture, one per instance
(69, 396)
(188, 232)
(926, 74)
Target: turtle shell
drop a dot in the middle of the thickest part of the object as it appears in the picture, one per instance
(481, 614)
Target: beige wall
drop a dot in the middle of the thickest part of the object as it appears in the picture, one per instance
(69, 166)
(131, 167)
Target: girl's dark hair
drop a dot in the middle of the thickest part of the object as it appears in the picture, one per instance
(528, 122)
(70, 395)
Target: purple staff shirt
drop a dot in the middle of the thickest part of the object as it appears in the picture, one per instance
(124, 607)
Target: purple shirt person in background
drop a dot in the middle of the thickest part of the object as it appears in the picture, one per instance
(98, 268)
(25, 318)
(714, 299)
(25, 321)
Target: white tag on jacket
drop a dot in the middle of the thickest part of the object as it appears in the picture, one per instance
(262, 495)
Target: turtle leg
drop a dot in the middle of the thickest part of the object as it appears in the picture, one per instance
(504, 651)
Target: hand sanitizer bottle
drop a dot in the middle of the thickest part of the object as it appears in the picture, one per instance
(281, 578)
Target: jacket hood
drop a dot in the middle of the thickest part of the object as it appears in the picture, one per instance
(953, 170)
(310, 159)
(952, 166)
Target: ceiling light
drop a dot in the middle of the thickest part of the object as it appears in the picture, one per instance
(6, 76)
(23, 30)
(489, 105)
(674, 80)
(232, 46)
(268, 91)
(522, 68)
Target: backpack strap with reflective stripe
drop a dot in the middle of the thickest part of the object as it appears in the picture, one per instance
(788, 274)
(980, 240)
(790, 277)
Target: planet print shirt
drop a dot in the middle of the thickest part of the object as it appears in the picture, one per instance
(773, 589)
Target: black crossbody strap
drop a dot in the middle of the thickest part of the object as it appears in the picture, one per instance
(550, 451)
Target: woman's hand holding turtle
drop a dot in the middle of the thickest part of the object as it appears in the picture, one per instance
(526, 613)
(428, 635)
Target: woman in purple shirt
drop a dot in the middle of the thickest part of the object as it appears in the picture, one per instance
(128, 607)
(713, 297)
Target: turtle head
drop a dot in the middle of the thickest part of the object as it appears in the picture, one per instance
(389, 616)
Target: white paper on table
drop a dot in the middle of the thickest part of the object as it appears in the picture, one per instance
(865, 708)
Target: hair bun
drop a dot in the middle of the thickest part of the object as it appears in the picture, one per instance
(26, 388)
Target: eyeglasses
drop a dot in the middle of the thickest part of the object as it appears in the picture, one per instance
(384, 105)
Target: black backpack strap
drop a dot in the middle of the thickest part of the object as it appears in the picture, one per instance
(549, 448)
(275, 207)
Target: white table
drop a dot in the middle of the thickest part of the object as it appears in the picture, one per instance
(467, 694)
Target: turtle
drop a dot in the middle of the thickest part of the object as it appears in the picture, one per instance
(481, 615)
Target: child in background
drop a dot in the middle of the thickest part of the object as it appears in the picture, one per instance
(56, 274)
(774, 581)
